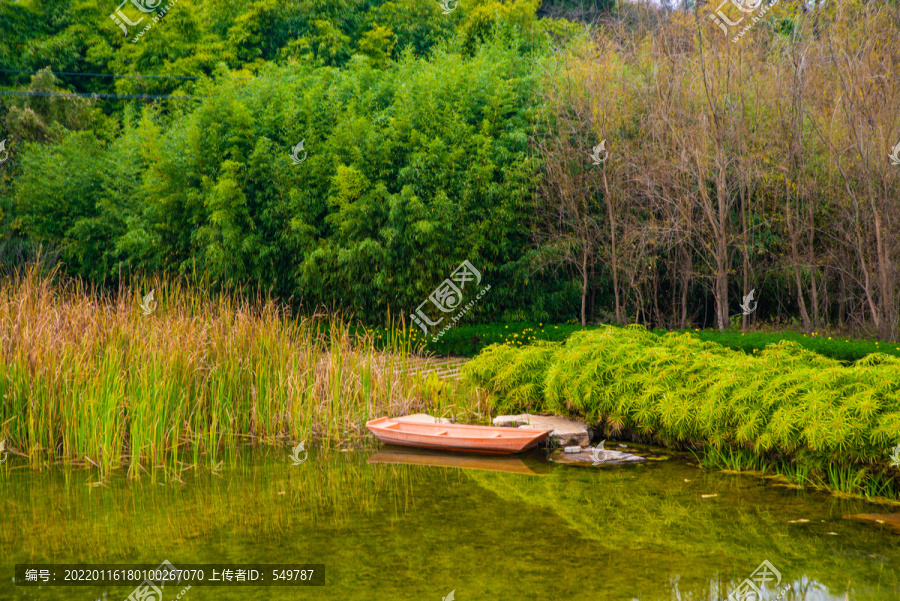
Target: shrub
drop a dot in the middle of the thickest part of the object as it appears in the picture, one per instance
(783, 403)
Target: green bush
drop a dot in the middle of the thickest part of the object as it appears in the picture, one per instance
(785, 403)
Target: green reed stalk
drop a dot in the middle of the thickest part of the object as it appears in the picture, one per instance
(87, 377)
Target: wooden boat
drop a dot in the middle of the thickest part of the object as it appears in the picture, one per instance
(456, 437)
(492, 463)
(891, 521)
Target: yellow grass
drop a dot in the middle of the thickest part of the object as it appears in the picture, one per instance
(87, 377)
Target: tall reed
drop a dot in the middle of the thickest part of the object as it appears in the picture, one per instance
(86, 377)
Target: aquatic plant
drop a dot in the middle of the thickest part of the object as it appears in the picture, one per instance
(87, 377)
(782, 405)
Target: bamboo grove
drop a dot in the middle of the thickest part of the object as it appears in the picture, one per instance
(736, 163)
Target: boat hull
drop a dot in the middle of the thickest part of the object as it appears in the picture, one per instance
(456, 437)
(492, 462)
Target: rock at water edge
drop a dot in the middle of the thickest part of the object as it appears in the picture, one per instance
(564, 432)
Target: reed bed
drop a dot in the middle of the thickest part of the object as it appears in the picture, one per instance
(86, 377)
(809, 418)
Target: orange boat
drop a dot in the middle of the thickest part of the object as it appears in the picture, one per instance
(456, 437)
(481, 461)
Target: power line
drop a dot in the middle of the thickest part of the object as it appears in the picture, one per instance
(104, 74)
(78, 95)
(115, 75)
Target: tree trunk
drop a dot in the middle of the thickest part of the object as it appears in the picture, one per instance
(584, 283)
(746, 253)
(813, 288)
(795, 255)
(613, 248)
(722, 245)
(721, 294)
(685, 282)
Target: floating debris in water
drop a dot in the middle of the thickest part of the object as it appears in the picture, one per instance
(708, 496)
(800, 521)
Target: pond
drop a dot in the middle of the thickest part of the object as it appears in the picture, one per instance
(387, 525)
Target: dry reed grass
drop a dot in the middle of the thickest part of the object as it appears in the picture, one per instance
(86, 377)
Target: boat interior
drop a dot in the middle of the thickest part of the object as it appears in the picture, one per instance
(456, 431)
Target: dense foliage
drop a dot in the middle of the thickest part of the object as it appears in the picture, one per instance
(784, 405)
(412, 165)
(759, 163)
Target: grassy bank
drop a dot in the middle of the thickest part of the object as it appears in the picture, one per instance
(784, 409)
(86, 377)
(468, 341)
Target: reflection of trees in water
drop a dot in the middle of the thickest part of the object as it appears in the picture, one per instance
(640, 521)
(646, 513)
(55, 515)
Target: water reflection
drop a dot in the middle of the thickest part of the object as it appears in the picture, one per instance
(513, 464)
(399, 525)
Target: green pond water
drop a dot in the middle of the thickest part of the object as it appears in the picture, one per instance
(396, 531)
